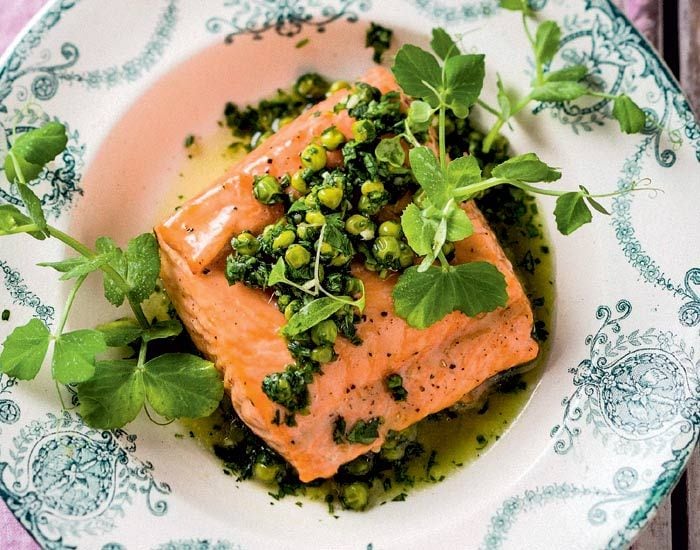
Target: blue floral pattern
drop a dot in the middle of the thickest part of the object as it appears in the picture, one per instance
(63, 479)
(286, 17)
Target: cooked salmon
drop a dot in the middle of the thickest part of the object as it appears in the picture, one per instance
(238, 327)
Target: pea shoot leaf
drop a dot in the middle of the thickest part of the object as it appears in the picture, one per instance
(143, 266)
(555, 91)
(547, 41)
(419, 231)
(312, 314)
(391, 151)
(74, 355)
(11, 218)
(113, 396)
(427, 172)
(418, 72)
(443, 45)
(121, 332)
(628, 114)
(34, 150)
(419, 115)
(574, 73)
(504, 101)
(277, 274)
(72, 268)
(24, 350)
(113, 292)
(163, 329)
(182, 385)
(516, 5)
(571, 212)
(472, 288)
(459, 226)
(463, 171)
(527, 167)
(33, 205)
(464, 76)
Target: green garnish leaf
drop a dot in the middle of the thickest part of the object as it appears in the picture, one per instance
(554, 91)
(527, 167)
(121, 332)
(113, 396)
(113, 292)
(464, 75)
(418, 73)
(459, 226)
(420, 114)
(571, 212)
(313, 313)
(74, 355)
(419, 231)
(425, 298)
(34, 150)
(628, 114)
(574, 73)
(443, 45)
(391, 151)
(428, 174)
(143, 262)
(182, 385)
(463, 171)
(24, 350)
(597, 206)
(11, 218)
(72, 268)
(33, 205)
(277, 273)
(364, 432)
(547, 41)
(163, 329)
(516, 5)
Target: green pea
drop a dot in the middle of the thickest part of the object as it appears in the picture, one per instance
(267, 189)
(368, 207)
(291, 309)
(311, 201)
(304, 231)
(353, 286)
(355, 496)
(393, 453)
(330, 197)
(313, 157)
(338, 85)
(332, 138)
(299, 183)
(340, 260)
(390, 229)
(386, 249)
(372, 186)
(315, 218)
(322, 354)
(326, 249)
(297, 256)
(283, 301)
(267, 473)
(324, 333)
(284, 239)
(359, 225)
(363, 130)
(361, 466)
(311, 86)
(406, 257)
(246, 244)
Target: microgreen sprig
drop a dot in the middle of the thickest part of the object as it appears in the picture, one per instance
(566, 84)
(111, 393)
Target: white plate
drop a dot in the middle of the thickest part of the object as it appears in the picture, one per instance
(617, 413)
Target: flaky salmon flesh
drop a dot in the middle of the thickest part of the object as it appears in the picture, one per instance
(238, 327)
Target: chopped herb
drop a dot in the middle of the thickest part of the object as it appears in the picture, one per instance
(303, 42)
(379, 39)
(5, 314)
(339, 430)
(189, 141)
(394, 383)
(364, 432)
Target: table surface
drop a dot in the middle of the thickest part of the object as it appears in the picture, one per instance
(673, 26)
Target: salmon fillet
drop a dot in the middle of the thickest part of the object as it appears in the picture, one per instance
(238, 327)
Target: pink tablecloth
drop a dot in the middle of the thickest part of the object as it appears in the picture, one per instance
(14, 14)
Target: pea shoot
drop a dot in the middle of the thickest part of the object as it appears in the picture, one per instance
(111, 392)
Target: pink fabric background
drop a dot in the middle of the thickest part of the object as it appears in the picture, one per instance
(14, 14)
